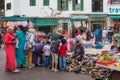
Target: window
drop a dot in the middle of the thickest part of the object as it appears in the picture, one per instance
(8, 6)
(115, 1)
(46, 2)
(63, 5)
(32, 2)
(97, 5)
(77, 5)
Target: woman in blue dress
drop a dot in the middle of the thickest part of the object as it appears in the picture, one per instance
(20, 52)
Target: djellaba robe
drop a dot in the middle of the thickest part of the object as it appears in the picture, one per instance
(10, 51)
(20, 51)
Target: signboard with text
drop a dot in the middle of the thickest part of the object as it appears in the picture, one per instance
(114, 10)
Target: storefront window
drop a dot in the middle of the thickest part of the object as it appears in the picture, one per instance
(115, 1)
(97, 5)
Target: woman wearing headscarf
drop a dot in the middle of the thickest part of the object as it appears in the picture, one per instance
(29, 46)
(9, 47)
(20, 52)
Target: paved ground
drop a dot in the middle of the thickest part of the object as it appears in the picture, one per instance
(38, 73)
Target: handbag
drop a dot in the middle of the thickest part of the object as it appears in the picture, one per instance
(29, 45)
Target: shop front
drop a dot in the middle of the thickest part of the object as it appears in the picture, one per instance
(114, 15)
(46, 24)
(65, 25)
(16, 20)
(78, 22)
(115, 22)
(97, 21)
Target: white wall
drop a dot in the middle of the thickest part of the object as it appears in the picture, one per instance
(87, 6)
(17, 7)
(22, 8)
(105, 6)
(37, 11)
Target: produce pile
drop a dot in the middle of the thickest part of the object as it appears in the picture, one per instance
(105, 57)
(87, 66)
(109, 61)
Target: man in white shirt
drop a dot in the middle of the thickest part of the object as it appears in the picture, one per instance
(104, 33)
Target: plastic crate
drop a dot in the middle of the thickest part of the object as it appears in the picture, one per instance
(98, 46)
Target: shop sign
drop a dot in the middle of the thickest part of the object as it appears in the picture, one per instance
(114, 10)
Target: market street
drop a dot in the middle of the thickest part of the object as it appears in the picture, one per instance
(43, 73)
(38, 73)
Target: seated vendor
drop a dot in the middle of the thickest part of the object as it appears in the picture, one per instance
(79, 51)
(114, 47)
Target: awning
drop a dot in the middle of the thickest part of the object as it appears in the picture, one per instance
(17, 18)
(98, 16)
(115, 16)
(79, 19)
(45, 22)
(11, 18)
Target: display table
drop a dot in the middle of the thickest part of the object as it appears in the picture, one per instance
(115, 73)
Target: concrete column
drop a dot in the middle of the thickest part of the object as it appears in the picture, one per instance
(108, 22)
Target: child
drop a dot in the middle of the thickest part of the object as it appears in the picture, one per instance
(62, 56)
(46, 50)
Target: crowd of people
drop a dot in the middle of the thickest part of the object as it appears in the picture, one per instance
(101, 35)
(25, 47)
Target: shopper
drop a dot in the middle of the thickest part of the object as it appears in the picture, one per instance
(62, 56)
(20, 52)
(46, 50)
(29, 46)
(97, 35)
(9, 47)
(110, 34)
(104, 34)
(37, 53)
(55, 50)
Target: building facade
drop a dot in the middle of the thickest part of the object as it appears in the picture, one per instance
(66, 13)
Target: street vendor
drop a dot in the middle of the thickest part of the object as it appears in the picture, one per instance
(115, 47)
(79, 51)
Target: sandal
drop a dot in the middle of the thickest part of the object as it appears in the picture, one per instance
(16, 71)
